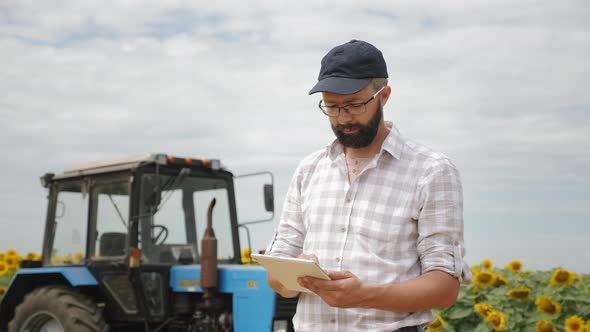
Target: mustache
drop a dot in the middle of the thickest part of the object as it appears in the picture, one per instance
(348, 126)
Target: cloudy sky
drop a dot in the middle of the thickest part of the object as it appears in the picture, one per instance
(499, 86)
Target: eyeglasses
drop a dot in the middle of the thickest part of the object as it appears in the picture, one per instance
(353, 109)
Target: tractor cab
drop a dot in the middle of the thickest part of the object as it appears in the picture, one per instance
(156, 203)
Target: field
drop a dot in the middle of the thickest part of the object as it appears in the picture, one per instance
(498, 299)
(512, 299)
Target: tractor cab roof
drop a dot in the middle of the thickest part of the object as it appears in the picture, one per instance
(132, 162)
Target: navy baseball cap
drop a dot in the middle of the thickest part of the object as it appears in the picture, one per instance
(348, 68)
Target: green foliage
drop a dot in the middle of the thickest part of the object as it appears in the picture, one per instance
(5, 280)
(521, 315)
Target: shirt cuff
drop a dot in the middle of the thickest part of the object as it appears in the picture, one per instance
(448, 259)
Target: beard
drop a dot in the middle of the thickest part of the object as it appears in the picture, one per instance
(366, 132)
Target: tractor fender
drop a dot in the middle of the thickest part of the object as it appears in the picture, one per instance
(26, 280)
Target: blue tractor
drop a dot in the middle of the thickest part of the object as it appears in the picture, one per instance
(147, 243)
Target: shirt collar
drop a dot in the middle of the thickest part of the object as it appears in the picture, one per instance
(393, 144)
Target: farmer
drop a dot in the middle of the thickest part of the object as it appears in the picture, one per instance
(382, 213)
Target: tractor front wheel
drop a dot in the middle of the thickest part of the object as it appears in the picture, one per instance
(57, 309)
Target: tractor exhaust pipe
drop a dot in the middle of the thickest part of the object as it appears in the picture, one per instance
(209, 260)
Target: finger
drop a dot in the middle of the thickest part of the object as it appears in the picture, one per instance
(301, 281)
(310, 257)
(323, 285)
(336, 275)
(315, 282)
(307, 283)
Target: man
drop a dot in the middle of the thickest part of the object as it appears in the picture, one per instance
(380, 212)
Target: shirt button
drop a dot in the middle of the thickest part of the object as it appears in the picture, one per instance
(332, 320)
(343, 229)
(338, 259)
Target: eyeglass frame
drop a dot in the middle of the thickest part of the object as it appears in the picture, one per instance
(355, 104)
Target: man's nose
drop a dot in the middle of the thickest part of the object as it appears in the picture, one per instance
(344, 117)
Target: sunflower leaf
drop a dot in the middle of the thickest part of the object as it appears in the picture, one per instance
(459, 313)
(575, 299)
(482, 327)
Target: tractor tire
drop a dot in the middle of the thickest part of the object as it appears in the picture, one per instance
(57, 309)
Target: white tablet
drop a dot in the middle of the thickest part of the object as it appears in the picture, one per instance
(287, 270)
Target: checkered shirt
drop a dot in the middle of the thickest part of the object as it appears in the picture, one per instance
(402, 217)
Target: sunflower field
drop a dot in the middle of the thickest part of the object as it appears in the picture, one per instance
(511, 299)
(499, 299)
(10, 263)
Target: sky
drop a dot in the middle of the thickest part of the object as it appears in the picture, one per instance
(501, 87)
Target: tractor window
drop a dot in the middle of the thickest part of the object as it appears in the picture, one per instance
(112, 216)
(174, 216)
(71, 220)
(171, 216)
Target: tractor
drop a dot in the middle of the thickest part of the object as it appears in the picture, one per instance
(148, 243)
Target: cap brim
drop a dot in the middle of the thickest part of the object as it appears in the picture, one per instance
(340, 85)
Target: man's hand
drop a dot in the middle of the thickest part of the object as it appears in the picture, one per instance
(345, 290)
(279, 288)
(434, 289)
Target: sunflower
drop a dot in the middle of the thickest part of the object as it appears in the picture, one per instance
(68, 259)
(2, 291)
(475, 268)
(514, 265)
(500, 281)
(554, 309)
(2, 256)
(521, 294)
(497, 320)
(30, 256)
(57, 260)
(574, 324)
(545, 326)
(437, 325)
(487, 264)
(246, 258)
(11, 261)
(483, 309)
(3, 268)
(547, 306)
(543, 302)
(562, 277)
(588, 326)
(580, 277)
(11, 252)
(77, 257)
(484, 278)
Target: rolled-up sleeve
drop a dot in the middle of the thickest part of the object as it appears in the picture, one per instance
(440, 222)
(290, 234)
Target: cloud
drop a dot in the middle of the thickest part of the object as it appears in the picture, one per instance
(498, 86)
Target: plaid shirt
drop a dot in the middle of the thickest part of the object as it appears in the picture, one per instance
(402, 217)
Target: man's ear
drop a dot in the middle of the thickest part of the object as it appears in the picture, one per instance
(385, 95)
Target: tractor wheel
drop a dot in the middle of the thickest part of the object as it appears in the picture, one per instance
(57, 309)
